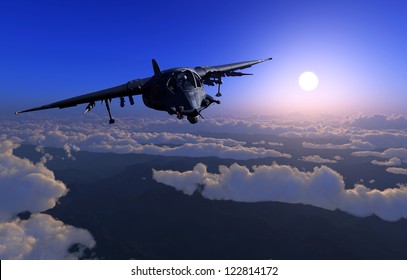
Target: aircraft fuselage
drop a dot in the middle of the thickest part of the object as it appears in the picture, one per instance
(177, 91)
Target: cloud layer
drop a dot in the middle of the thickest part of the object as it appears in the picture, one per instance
(134, 134)
(378, 121)
(25, 186)
(323, 187)
(121, 139)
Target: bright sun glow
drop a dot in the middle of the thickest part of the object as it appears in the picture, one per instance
(308, 81)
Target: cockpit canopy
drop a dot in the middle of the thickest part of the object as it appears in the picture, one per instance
(185, 79)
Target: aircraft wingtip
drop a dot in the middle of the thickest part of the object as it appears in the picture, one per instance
(266, 59)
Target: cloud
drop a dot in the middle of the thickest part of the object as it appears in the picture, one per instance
(400, 153)
(42, 237)
(40, 149)
(391, 162)
(323, 187)
(179, 139)
(397, 170)
(363, 133)
(275, 144)
(169, 130)
(378, 121)
(317, 159)
(25, 186)
(192, 150)
(68, 148)
(121, 139)
(262, 142)
(46, 156)
(383, 139)
(354, 144)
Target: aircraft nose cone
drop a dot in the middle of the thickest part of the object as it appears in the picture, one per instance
(193, 100)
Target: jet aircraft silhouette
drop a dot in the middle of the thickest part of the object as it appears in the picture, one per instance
(178, 91)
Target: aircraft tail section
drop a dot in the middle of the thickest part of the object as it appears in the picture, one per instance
(156, 68)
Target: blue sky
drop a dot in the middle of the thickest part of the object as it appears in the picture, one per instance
(53, 50)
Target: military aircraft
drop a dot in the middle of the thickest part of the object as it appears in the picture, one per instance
(178, 91)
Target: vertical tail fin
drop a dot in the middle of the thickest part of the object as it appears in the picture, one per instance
(156, 68)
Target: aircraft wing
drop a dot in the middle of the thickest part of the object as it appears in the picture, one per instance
(208, 73)
(128, 89)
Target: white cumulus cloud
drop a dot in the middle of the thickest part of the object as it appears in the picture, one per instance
(391, 162)
(323, 187)
(42, 237)
(400, 153)
(397, 170)
(25, 186)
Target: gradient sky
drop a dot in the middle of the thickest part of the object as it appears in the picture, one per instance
(51, 50)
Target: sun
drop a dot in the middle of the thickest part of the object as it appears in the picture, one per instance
(308, 81)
